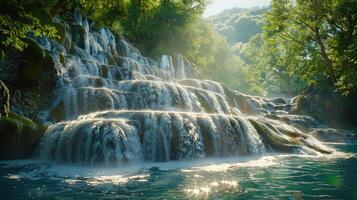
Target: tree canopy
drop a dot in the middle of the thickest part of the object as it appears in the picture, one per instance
(275, 50)
(321, 37)
(20, 17)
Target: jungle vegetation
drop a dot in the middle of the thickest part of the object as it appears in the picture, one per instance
(271, 51)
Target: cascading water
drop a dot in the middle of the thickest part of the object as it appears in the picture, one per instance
(121, 106)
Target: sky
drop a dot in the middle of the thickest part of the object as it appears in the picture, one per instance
(218, 6)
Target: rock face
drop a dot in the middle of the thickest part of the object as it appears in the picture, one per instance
(18, 137)
(28, 84)
(331, 108)
(31, 78)
(335, 135)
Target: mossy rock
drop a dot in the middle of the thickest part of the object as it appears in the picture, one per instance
(277, 143)
(34, 50)
(18, 137)
(62, 58)
(36, 61)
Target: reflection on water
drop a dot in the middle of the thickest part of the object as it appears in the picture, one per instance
(265, 161)
(115, 180)
(268, 177)
(206, 188)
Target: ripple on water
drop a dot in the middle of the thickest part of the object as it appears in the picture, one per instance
(267, 177)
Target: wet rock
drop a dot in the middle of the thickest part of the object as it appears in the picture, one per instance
(18, 137)
(24, 103)
(334, 135)
(31, 77)
(325, 104)
(279, 100)
(9, 67)
(79, 35)
(36, 64)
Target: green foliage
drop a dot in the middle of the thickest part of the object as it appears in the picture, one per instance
(166, 28)
(303, 43)
(19, 137)
(175, 27)
(237, 24)
(218, 61)
(18, 19)
(108, 13)
(274, 67)
(171, 27)
(321, 35)
(155, 26)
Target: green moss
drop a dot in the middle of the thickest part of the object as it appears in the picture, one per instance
(275, 142)
(61, 58)
(19, 136)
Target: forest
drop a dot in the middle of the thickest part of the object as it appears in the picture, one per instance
(279, 50)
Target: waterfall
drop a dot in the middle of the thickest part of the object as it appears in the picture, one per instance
(123, 107)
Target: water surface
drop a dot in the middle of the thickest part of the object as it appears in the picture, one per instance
(267, 177)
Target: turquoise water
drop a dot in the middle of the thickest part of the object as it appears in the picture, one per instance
(268, 177)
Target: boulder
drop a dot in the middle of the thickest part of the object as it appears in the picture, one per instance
(18, 137)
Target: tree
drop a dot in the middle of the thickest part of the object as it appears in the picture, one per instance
(218, 61)
(273, 66)
(20, 17)
(318, 31)
(163, 26)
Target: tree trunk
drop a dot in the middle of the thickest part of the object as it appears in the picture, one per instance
(324, 55)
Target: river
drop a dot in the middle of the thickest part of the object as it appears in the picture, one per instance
(268, 177)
